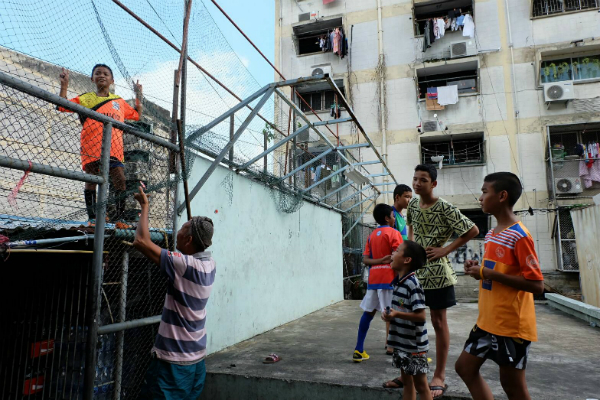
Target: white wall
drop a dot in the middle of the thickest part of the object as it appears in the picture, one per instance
(272, 267)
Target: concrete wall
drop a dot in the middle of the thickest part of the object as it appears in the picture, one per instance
(272, 267)
(510, 111)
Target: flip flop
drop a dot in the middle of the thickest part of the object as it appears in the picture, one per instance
(272, 359)
(396, 381)
(442, 388)
(389, 353)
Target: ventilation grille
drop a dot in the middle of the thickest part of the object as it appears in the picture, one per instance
(555, 92)
(458, 49)
(304, 17)
(430, 126)
(317, 71)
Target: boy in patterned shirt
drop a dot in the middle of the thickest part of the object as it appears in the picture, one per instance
(508, 276)
(408, 333)
(432, 221)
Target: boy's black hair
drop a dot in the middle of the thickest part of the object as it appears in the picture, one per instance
(430, 169)
(506, 181)
(380, 212)
(105, 66)
(417, 254)
(400, 190)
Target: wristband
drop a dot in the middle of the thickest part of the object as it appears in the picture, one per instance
(481, 272)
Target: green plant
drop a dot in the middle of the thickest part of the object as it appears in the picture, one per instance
(555, 74)
(268, 132)
(546, 71)
(562, 68)
(586, 61)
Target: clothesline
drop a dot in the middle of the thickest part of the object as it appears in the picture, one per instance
(321, 33)
(448, 79)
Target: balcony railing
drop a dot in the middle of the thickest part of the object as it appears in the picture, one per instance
(552, 7)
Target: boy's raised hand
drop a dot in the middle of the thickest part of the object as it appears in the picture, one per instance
(472, 268)
(137, 88)
(141, 197)
(64, 78)
(386, 259)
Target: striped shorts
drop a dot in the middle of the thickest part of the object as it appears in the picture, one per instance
(503, 350)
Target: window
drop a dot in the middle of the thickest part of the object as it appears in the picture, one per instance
(563, 142)
(481, 220)
(321, 100)
(463, 75)
(470, 149)
(570, 68)
(306, 36)
(552, 7)
(438, 9)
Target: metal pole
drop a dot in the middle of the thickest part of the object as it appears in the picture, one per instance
(336, 191)
(270, 149)
(357, 204)
(231, 132)
(95, 277)
(172, 159)
(265, 146)
(122, 326)
(352, 195)
(225, 150)
(118, 373)
(306, 164)
(355, 223)
(184, 171)
(40, 242)
(15, 163)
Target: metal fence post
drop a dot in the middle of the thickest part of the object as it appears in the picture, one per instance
(118, 373)
(95, 277)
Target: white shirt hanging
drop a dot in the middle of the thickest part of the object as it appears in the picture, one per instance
(441, 27)
(447, 95)
(469, 26)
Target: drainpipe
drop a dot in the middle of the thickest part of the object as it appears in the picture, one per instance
(382, 99)
(514, 85)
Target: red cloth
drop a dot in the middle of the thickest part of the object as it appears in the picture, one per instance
(328, 1)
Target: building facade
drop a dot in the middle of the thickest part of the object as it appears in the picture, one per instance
(520, 81)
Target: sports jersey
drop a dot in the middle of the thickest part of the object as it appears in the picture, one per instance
(382, 242)
(91, 134)
(400, 224)
(432, 227)
(503, 310)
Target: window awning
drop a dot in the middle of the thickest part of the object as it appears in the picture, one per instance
(316, 27)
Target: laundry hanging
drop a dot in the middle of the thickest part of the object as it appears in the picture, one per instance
(447, 95)
(469, 26)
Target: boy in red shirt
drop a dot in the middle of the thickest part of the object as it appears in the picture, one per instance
(508, 276)
(115, 107)
(382, 242)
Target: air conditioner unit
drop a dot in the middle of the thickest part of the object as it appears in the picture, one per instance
(464, 48)
(308, 16)
(567, 185)
(430, 126)
(558, 91)
(321, 70)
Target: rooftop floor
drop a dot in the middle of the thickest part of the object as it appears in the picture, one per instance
(316, 353)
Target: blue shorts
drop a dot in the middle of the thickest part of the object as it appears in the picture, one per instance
(168, 381)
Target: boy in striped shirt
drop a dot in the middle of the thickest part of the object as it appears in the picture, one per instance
(509, 275)
(408, 333)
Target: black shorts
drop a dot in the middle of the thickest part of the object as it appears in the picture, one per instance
(502, 350)
(440, 299)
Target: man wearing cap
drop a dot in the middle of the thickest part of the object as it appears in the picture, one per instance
(177, 369)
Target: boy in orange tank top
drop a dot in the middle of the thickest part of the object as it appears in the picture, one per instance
(509, 275)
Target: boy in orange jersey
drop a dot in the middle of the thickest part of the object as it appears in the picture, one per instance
(382, 242)
(510, 273)
(115, 107)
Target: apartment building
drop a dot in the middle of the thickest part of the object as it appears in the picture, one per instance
(518, 82)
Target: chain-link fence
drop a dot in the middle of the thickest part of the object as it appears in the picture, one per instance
(86, 309)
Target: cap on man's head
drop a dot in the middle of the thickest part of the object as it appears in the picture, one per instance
(202, 232)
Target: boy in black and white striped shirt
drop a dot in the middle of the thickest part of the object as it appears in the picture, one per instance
(408, 333)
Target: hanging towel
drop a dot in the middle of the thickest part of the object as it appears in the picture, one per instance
(454, 24)
(460, 21)
(441, 27)
(432, 93)
(447, 95)
(469, 27)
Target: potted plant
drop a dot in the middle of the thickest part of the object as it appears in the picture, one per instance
(596, 67)
(575, 66)
(585, 70)
(562, 71)
(554, 72)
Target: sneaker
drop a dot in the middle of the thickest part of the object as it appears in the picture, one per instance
(121, 224)
(91, 223)
(358, 357)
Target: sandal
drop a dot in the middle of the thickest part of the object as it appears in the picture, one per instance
(442, 388)
(272, 359)
(389, 353)
(396, 381)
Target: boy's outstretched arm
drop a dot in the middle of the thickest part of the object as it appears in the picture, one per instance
(64, 83)
(518, 282)
(137, 88)
(434, 253)
(377, 261)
